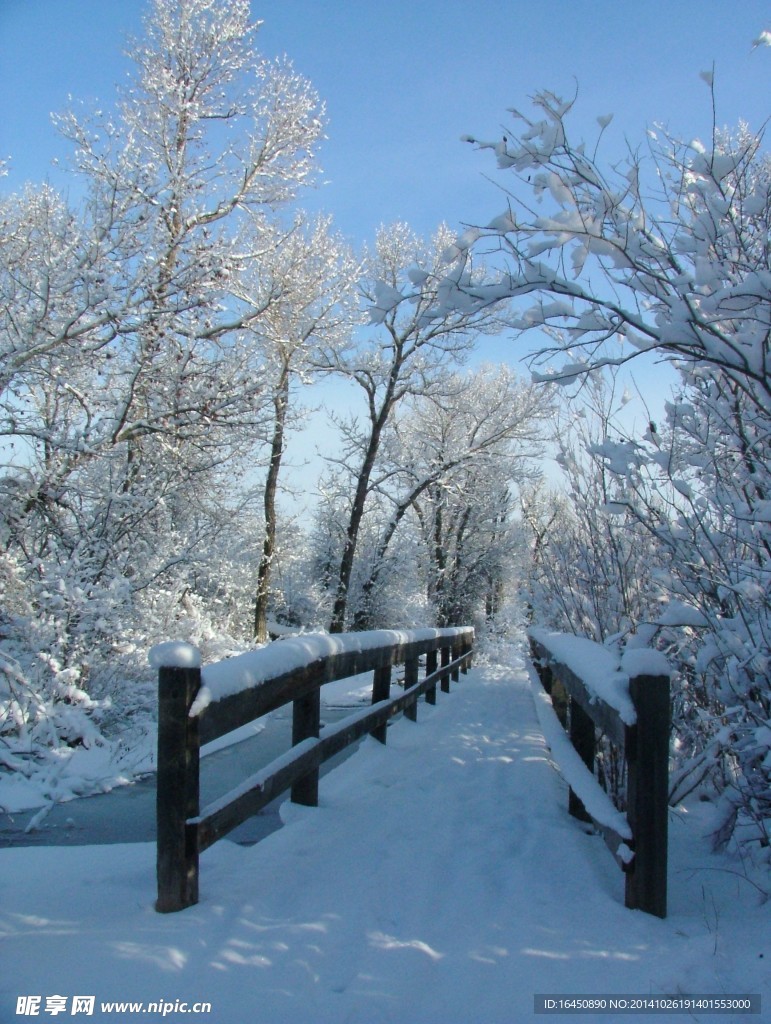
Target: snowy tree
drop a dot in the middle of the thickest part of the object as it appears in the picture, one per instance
(666, 255)
(305, 286)
(592, 573)
(209, 139)
(454, 463)
(130, 368)
(120, 320)
(408, 354)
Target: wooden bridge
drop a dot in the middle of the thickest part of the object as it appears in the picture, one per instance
(199, 705)
(196, 708)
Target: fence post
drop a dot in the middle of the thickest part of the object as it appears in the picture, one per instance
(446, 659)
(456, 653)
(557, 692)
(583, 739)
(466, 651)
(410, 678)
(381, 690)
(177, 793)
(306, 724)
(542, 668)
(431, 661)
(647, 752)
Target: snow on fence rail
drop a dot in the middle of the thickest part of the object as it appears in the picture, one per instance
(196, 706)
(629, 703)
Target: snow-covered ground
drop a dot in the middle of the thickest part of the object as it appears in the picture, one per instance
(440, 881)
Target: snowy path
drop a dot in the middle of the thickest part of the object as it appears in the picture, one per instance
(440, 882)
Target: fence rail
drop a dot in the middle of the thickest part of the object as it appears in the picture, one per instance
(645, 742)
(184, 829)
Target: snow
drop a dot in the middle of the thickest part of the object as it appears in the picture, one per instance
(597, 667)
(246, 670)
(614, 508)
(75, 772)
(440, 881)
(245, 732)
(258, 779)
(351, 691)
(81, 771)
(677, 613)
(642, 661)
(386, 299)
(573, 770)
(174, 654)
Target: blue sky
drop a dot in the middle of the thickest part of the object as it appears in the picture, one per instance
(404, 80)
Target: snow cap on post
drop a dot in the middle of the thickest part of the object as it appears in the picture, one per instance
(643, 661)
(174, 654)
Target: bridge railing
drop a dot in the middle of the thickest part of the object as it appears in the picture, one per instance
(630, 704)
(199, 705)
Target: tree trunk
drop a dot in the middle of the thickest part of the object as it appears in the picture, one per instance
(340, 608)
(363, 617)
(280, 405)
(438, 580)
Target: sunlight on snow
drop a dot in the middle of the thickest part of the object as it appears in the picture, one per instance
(489, 955)
(35, 924)
(247, 959)
(380, 940)
(584, 954)
(168, 958)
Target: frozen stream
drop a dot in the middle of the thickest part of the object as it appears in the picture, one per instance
(127, 813)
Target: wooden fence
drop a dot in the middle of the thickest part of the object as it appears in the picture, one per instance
(646, 747)
(185, 830)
